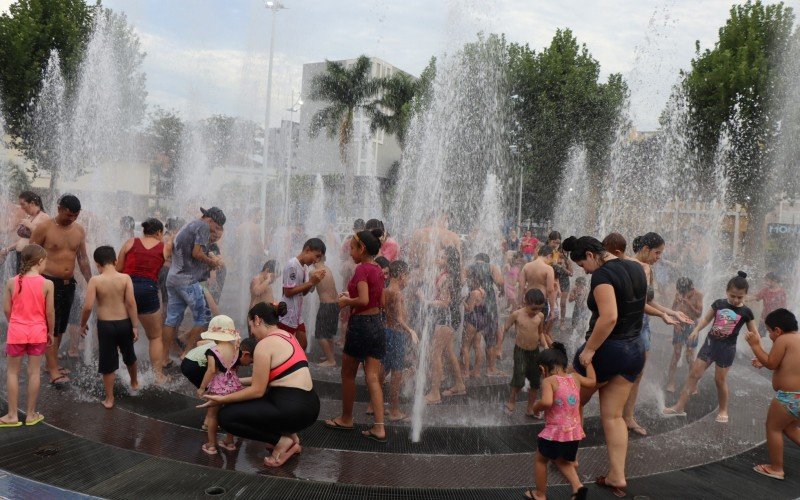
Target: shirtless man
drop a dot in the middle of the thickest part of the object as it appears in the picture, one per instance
(539, 274)
(261, 284)
(431, 240)
(65, 242)
(328, 314)
(117, 320)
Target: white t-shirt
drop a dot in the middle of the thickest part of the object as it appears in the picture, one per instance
(294, 274)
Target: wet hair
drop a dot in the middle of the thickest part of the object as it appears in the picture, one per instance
(151, 226)
(269, 313)
(397, 268)
(270, 266)
(783, 319)
(70, 202)
(614, 243)
(554, 235)
(738, 282)
(482, 257)
(579, 247)
(534, 297)
(580, 280)
(371, 240)
(374, 224)
(105, 255)
(684, 285)
(175, 223)
(32, 198)
(358, 225)
(772, 277)
(127, 223)
(248, 345)
(554, 357)
(650, 240)
(29, 256)
(545, 251)
(382, 261)
(315, 245)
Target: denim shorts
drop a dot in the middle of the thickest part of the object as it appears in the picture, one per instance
(183, 296)
(716, 351)
(145, 292)
(623, 357)
(365, 337)
(395, 358)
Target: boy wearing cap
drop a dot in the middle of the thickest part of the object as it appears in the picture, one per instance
(117, 320)
(190, 264)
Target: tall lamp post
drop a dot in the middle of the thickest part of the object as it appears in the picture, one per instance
(290, 152)
(274, 7)
(515, 154)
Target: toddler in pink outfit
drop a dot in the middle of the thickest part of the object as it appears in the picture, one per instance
(562, 431)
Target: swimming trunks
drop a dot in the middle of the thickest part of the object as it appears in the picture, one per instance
(327, 321)
(64, 294)
(113, 335)
(790, 401)
(525, 367)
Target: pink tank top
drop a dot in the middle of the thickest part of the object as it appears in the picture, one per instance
(563, 419)
(28, 322)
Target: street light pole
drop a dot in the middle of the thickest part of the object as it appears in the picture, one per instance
(274, 7)
(290, 143)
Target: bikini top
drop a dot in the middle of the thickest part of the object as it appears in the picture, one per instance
(296, 361)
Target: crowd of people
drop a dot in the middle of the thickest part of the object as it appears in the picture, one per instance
(433, 287)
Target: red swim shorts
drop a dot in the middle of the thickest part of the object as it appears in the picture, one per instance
(16, 350)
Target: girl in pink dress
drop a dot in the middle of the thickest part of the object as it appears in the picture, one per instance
(28, 305)
(561, 400)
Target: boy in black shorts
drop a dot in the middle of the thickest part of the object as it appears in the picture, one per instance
(529, 322)
(117, 320)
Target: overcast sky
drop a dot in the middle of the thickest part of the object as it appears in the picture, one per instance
(209, 56)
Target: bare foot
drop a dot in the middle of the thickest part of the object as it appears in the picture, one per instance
(509, 406)
(495, 373)
(432, 399)
(671, 387)
(108, 403)
(328, 364)
(135, 384)
(161, 379)
(396, 416)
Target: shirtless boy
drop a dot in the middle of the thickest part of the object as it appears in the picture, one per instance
(261, 284)
(328, 313)
(539, 274)
(117, 320)
(65, 242)
(397, 334)
(783, 416)
(529, 323)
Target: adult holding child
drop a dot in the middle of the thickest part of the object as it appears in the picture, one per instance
(613, 344)
(142, 259)
(31, 204)
(280, 400)
(64, 240)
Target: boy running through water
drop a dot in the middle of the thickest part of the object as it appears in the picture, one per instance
(295, 287)
(327, 322)
(783, 416)
(117, 320)
(397, 333)
(529, 323)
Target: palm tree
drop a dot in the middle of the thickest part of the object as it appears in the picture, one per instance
(392, 111)
(346, 90)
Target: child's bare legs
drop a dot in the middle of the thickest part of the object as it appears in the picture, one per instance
(480, 354)
(540, 475)
(673, 366)
(132, 371)
(450, 348)
(498, 347)
(467, 342)
(698, 368)
(721, 379)
(511, 404)
(532, 393)
(108, 384)
(34, 381)
(327, 348)
(436, 365)
(211, 432)
(779, 422)
(570, 472)
(12, 380)
(395, 384)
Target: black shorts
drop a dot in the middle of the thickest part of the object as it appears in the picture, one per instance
(63, 295)
(113, 335)
(715, 351)
(526, 366)
(365, 337)
(145, 292)
(567, 450)
(327, 321)
(623, 357)
(193, 371)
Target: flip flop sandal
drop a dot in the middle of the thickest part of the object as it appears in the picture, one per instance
(615, 490)
(638, 429)
(333, 424)
(370, 435)
(39, 418)
(6, 425)
(63, 381)
(722, 419)
(209, 450)
(402, 418)
(764, 470)
(228, 446)
(669, 412)
(284, 457)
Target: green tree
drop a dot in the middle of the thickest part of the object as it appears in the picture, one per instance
(558, 100)
(391, 112)
(29, 32)
(732, 92)
(346, 90)
(164, 134)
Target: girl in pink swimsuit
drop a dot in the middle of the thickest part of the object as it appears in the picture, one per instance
(28, 306)
(561, 400)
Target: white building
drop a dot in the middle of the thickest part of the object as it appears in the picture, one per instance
(372, 156)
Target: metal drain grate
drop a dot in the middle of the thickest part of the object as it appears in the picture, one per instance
(47, 450)
(214, 491)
